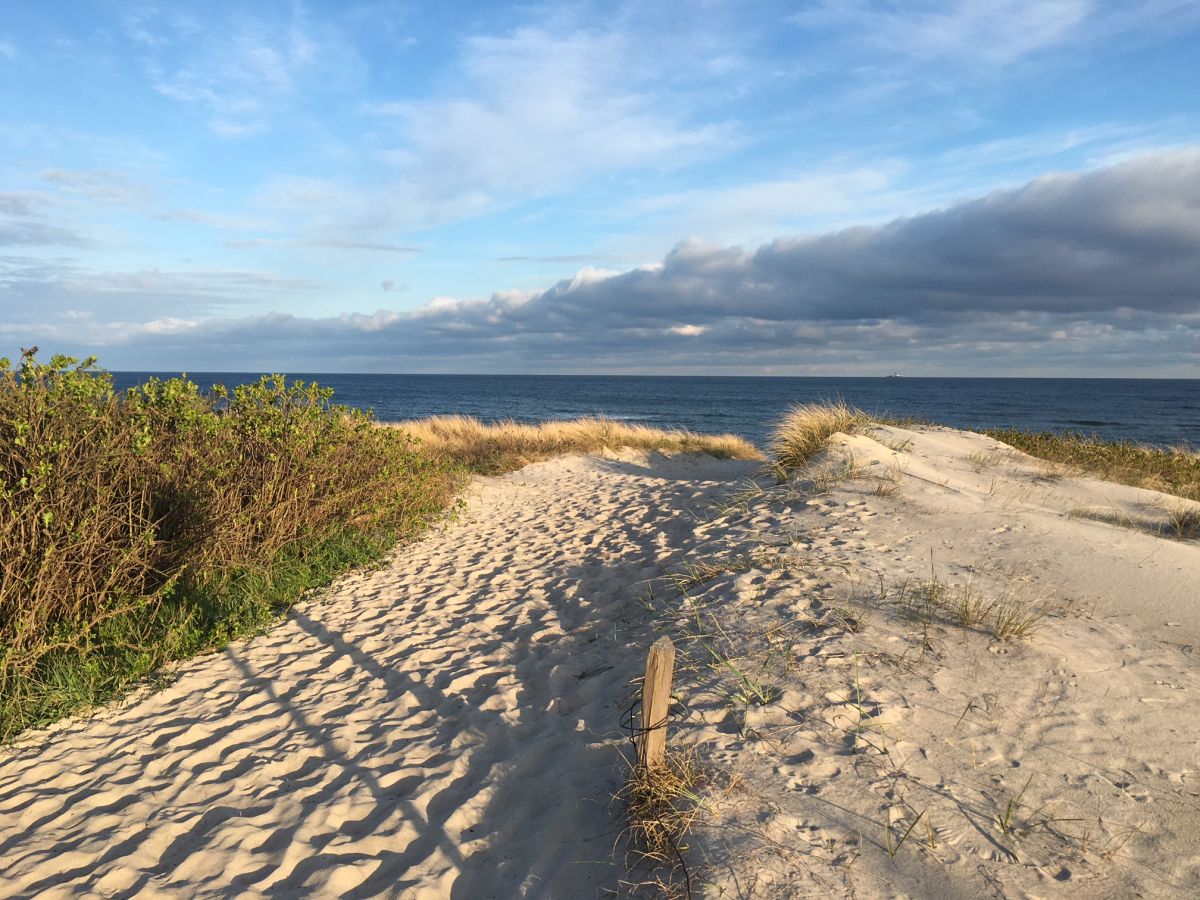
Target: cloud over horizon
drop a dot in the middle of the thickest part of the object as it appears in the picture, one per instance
(1075, 273)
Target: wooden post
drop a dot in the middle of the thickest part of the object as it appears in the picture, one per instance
(656, 703)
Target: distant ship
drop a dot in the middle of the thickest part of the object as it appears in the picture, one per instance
(894, 375)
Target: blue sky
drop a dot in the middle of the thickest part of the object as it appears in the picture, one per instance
(605, 187)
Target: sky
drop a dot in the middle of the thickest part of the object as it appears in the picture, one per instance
(834, 187)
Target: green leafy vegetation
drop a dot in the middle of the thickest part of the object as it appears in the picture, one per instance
(149, 526)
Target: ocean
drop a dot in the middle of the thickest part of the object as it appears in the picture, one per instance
(1153, 411)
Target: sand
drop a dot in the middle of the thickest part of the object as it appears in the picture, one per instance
(444, 727)
(447, 726)
(1063, 764)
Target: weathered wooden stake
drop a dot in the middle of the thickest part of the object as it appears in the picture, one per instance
(656, 703)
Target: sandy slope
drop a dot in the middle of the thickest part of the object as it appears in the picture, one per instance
(443, 727)
(1065, 764)
(448, 726)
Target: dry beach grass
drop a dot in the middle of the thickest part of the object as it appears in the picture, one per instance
(491, 448)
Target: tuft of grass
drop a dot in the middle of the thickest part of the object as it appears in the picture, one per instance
(1184, 521)
(893, 843)
(661, 805)
(1169, 470)
(749, 691)
(698, 573)
(933, 600)
(506, 446)
(1005, 820)
(806, 428)
(889, 484)
(1013, 619)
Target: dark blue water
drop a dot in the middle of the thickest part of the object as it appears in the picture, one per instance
(1157, 411)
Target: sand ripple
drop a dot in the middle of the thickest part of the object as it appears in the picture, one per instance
(443, 727)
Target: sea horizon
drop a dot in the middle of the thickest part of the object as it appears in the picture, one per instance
(1159, 411)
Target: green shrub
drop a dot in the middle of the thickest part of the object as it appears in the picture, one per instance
(144, 527)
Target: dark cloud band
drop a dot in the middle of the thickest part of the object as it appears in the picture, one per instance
(1063, 272)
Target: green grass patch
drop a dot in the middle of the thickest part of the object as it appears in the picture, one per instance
(1169, 470)
(185, 620)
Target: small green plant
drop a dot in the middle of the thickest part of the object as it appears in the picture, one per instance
(893, 844)
(748, 691)
(1005, 819)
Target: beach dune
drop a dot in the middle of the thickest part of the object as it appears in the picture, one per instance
(449, 724)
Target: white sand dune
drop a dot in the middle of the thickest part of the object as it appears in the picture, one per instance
(1066, 764)
(448, 726)
(444, 727)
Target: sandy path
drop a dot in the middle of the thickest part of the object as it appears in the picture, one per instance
(443, 727)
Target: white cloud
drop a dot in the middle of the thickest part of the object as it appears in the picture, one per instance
(224, 283)
(239, 73)
(25, 221)
(533, 112)
(757, 209)
(108, 188)
(996, 32)
(1067, 273)
(330, 243)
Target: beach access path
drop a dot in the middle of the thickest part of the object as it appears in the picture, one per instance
(445, 726)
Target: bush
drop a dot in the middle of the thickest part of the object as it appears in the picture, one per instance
(132, 526)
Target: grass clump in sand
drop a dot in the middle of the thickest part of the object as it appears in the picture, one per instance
(1169, 470)
(1183, 521)
(146, 526)
(505, 446)
(806, 428)
(661, 805)
(963, 606)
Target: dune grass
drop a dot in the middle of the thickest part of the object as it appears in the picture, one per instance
(1169, 470)
(806, 428)
(661, 806)
(505, 446)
